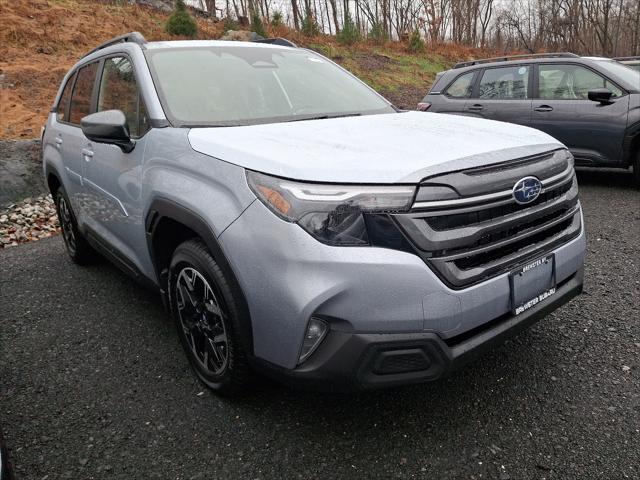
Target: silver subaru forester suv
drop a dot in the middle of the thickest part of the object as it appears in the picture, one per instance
(295, 223)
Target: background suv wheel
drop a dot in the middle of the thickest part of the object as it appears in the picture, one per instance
(205, 309)
(77, 246)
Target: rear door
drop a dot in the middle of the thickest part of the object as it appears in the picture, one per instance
(62, 130)
(592, 131)
(504, 94)
(113, 177)
(74, 143)
(454, 96)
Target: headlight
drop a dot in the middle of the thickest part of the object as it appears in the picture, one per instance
(330, 213)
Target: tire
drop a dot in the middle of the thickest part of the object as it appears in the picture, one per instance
(77, 246)
(206, 310)
(636, 168)
(5, 466)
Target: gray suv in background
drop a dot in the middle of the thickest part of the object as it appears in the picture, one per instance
(592, 105)
(292, 219)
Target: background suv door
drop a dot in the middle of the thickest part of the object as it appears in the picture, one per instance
(454, 97)
(113, 177)
(592, 131)
(504, 94)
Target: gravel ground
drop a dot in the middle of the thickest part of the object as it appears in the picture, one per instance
(28, 220)
(94, 385)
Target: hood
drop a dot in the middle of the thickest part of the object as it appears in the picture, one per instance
(389, 148)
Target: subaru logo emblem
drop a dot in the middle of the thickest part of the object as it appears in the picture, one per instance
(526, 190)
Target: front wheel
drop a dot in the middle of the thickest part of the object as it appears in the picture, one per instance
(206, 311)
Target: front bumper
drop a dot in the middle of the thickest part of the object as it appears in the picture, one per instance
(348, 361)
(364, 292)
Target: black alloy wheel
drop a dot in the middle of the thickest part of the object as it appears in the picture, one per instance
(207, 311)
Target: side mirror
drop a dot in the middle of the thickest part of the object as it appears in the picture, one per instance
(109, 126)
(602, 95)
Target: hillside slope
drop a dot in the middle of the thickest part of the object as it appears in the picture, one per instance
(41, 39)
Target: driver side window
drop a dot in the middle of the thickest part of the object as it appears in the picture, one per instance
(119, 91)
(570, 82)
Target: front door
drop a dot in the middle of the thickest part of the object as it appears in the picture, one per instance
(113, 177)
(593, 132)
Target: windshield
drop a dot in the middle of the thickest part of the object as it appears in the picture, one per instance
(225, 86)
(624, 72)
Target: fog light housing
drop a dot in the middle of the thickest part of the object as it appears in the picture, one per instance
(316, 331)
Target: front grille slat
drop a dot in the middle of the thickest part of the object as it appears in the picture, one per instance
(471, 239)
(476, 271)
(481, 225)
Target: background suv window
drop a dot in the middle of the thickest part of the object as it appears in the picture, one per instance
(570, 82)
(462, 86)
(63, 105)
(507, 83)
(81, 99)
(119, 91)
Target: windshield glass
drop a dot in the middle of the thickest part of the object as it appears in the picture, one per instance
(624, 72)
(224, 86)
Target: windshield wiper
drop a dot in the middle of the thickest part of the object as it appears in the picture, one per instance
(324, 117)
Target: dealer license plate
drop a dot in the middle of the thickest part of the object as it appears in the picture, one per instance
(532, 283)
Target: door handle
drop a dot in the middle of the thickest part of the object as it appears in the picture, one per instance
(87, 154)
(543, 108)
(58, 141)
(475, 108)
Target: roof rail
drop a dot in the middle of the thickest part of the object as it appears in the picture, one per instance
(516, 57)
(637, 57)
(277, 41)
(133, 37)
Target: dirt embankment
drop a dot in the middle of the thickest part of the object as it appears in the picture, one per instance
(41, 39)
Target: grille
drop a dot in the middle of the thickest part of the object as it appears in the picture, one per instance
(471, 238)
(446, 222)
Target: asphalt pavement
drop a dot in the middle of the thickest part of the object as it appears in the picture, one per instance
(94, 385)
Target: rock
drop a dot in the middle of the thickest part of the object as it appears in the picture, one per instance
(241, 36)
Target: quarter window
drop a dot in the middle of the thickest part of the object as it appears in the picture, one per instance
(62, 111)
(570, 82)
(81, 99)
(507, 83)
(119, 91)
(461, 87)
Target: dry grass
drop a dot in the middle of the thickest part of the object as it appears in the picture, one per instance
(41, 39)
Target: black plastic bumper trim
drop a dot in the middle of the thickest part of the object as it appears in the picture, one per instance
(347, 361)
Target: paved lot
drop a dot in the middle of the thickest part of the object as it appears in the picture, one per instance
(94, 385)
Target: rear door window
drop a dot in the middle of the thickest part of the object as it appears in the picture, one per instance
(62, 112)
(570, 82)
(505, 83)
(119, 91)
(81, 99)
(462, 86)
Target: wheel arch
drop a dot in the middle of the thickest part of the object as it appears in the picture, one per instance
(632, 143)
(52, 178)
(167, 225)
